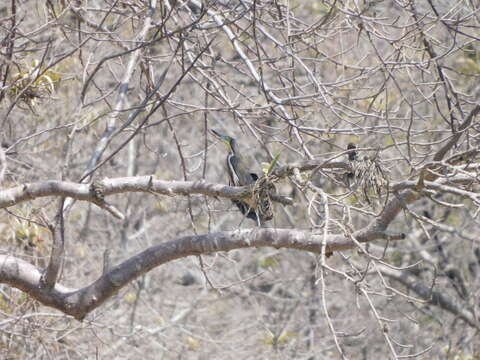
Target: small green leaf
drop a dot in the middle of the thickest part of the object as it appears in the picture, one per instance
(268, 167)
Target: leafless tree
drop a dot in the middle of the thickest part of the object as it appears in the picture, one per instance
(364, 114)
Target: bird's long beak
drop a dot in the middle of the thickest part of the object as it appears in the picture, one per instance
(223, 138)
(217, 134)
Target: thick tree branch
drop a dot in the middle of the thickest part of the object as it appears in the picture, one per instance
(83, 192)
(79, 302)
(21, 193)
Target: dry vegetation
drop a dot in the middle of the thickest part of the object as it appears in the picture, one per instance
(161, 265)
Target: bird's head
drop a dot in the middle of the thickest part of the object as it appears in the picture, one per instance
(227, 140)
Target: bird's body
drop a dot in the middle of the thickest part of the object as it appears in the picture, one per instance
(237, 171)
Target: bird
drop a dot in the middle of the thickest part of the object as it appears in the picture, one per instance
(239, 175)
(352, 155)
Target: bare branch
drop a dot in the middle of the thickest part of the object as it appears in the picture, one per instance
(79, 302)
(461, 129)
(3, 164)
(77, 191)
(50, 276)
(434, 297)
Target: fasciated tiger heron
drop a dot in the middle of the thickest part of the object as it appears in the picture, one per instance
(258, 210)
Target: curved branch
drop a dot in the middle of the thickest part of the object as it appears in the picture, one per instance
(79, 302)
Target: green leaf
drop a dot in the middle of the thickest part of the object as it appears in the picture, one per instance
(268, 167)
